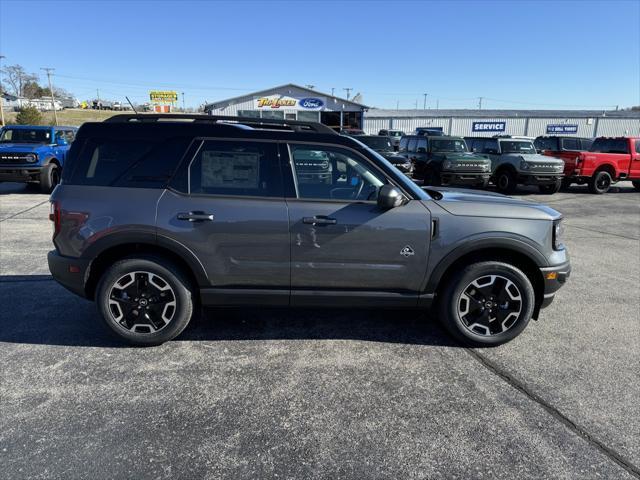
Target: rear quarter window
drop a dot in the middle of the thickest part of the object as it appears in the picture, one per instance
(127, 162)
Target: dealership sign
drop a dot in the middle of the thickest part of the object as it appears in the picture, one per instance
(489, 126)
(276, 101)
(562, 128)
(163, 96)
(311, 103)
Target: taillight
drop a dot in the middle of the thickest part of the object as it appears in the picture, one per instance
(54, 216)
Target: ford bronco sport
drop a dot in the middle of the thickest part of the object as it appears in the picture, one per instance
(31, 153)
(156, 216)
(515, 161)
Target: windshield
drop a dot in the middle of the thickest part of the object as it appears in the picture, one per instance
(377, 143)
(448, 145)
(546, 143)
(395, 133)
(517, 146)
(25, 135)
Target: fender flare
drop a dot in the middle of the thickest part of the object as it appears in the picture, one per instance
(513, 243)
(148, 238)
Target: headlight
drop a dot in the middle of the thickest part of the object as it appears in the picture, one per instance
(559, 168)
(486, 167)
(31, 158)
(446, 165)
(524, 165)
(558, 235)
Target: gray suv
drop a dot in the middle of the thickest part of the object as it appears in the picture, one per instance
(515, 161)
(157, 216)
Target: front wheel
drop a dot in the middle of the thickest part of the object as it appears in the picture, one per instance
(551, 188)
(506, 182)
(486, 304)
(49, 177)
(145, 300)
(600, 182)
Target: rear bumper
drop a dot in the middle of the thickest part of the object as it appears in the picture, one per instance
(20, 174)
(554, 278)
(63, 269)
(462, 178)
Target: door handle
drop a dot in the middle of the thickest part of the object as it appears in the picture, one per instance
(196, 216)
(320, 220)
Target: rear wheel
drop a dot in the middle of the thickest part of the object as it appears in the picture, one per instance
(636, 184)
(506, 181)
(551, 188)
(49, 177)
(145, 300)
(600, 182)
(487, 303)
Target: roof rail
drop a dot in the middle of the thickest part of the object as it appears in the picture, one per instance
(258, 123)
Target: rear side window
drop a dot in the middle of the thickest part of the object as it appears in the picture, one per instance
(572, 144)
(610, 145)
(586, 143)
(127, 162)
(543, 143)
(236, 168)
(637, 146)
(404, 141)
(422, 145)
(413, 142)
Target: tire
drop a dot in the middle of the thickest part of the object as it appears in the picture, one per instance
(636, 184)
(49, 177)
(475, 327)
(164, 294)
(600, 182)
(552, 188)
(566, 184)
(506, 181)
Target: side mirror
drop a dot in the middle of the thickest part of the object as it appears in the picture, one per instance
(61, 141)
(389, 197)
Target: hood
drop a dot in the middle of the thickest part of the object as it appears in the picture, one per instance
(459, 201)
(464, 157)
(394, 157)
(536, 157)
(20, 147)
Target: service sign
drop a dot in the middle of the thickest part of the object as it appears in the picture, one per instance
(276, 101)
(163, 96)
(562, 128)
(489, 126)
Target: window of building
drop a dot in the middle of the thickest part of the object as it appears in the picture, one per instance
(309, 116)
(275, 114)
(249, 113)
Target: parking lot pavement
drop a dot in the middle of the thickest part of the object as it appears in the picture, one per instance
(334, 394)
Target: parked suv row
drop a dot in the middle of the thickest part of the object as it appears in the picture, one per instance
(155, 218)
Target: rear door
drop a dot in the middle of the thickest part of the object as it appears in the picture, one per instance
(227, 206)
(342, 244)
(634, 169)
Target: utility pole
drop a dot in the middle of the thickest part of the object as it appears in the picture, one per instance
(348, 90)
(1, 110)
(332, 90)
(53, 102)
(397, 104)
(480, 103)
(438, 104)
(183, 107)
(424, 104)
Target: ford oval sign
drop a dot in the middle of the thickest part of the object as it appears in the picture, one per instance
(311, 103)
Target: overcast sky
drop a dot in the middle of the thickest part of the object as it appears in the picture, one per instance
(544, 54)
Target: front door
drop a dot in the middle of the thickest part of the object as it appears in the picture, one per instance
(342, 243)
(233, 216)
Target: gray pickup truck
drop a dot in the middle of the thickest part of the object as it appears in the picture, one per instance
(156, 218)
(515, 161)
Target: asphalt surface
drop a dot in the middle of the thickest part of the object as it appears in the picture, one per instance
(335, 394)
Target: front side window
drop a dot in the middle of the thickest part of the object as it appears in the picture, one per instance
(571, 144)
(236, 168)
(332, 173)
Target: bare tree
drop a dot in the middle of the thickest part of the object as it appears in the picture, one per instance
(16, 78)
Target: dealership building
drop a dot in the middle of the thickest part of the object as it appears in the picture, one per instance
(294, 102)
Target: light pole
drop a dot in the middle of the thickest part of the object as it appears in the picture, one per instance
(1, 109)
(53, 102)
(183, 109)
(424, 104)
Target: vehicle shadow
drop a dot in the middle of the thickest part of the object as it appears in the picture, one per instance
(57, 317)
(7, 188)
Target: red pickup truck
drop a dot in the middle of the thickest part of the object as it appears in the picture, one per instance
(609, 160)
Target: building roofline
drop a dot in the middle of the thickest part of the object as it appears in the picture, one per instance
(229, 101)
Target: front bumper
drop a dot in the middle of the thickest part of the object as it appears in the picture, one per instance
(20, 174)
(554, 278)
(464, 178)
(539, 178)
(71, 273)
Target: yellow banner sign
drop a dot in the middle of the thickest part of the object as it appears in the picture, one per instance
(276, 102)
(163, 96)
